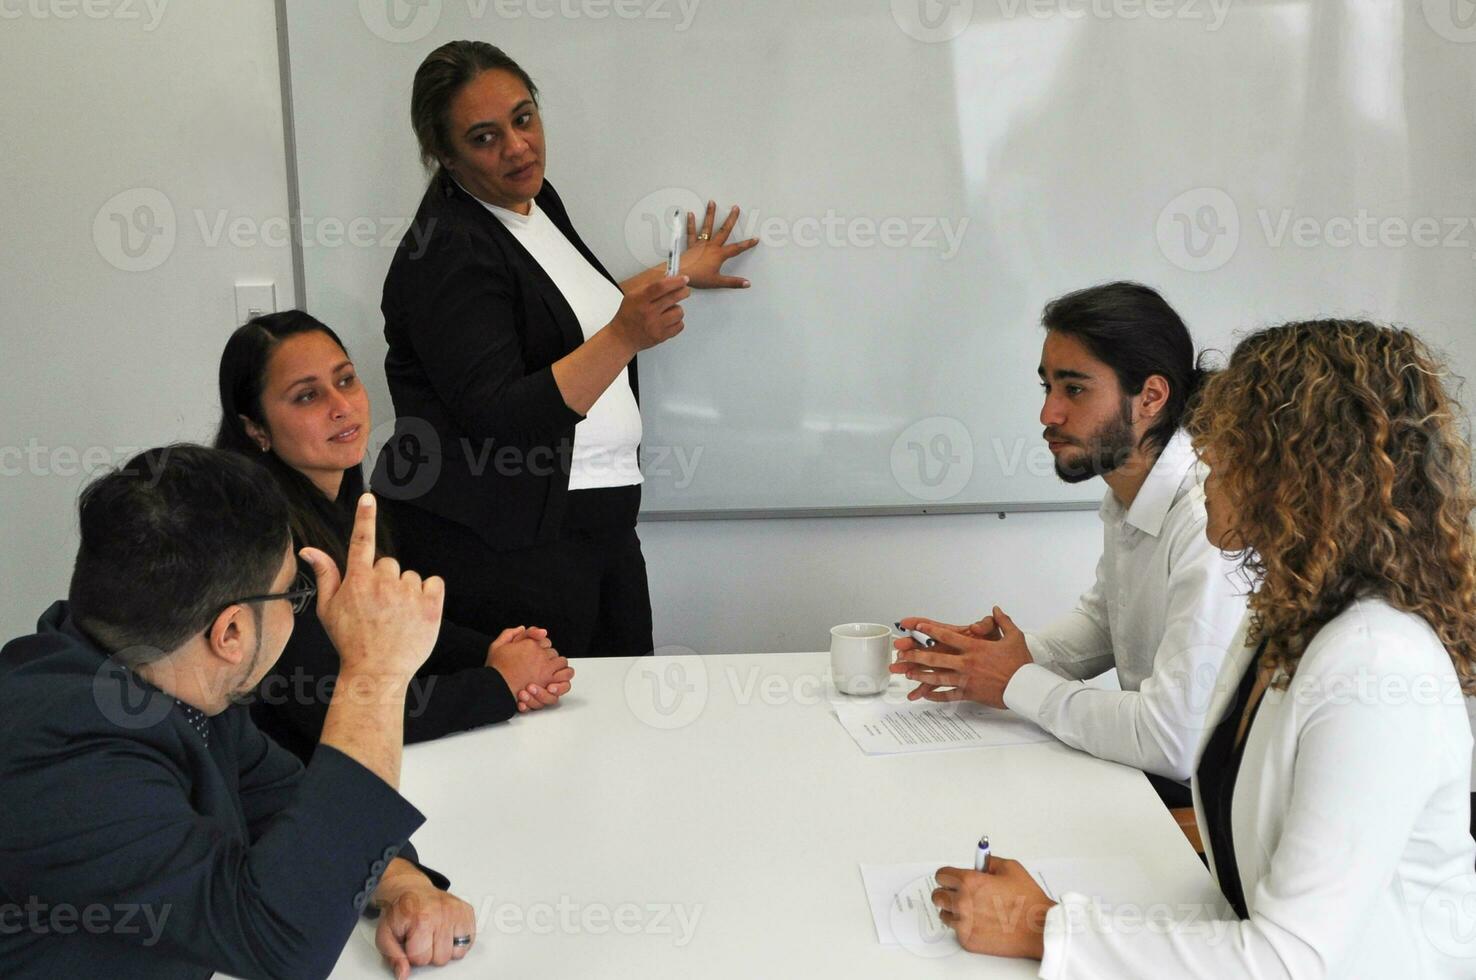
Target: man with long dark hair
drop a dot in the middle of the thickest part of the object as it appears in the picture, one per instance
(1118, 371)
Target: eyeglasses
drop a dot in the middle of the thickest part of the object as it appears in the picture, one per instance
(302, 592)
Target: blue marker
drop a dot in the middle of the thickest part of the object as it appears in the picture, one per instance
(981, 855)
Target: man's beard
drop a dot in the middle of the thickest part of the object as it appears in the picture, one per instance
(1106, 449)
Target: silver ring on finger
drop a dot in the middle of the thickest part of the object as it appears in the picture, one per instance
(461, 942)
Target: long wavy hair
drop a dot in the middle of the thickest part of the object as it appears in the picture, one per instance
(1341, 455)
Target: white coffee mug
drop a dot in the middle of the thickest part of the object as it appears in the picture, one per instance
(859, 655)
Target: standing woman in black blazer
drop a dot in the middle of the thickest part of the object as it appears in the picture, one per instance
(513, 472)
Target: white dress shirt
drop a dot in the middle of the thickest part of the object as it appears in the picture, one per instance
(1163, 611)
(1349, 822)
(607, 440)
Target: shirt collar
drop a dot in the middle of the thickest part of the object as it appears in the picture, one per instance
(198, 720)
(1159, 491)
(507, 214)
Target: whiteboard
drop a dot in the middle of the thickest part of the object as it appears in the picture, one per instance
(924, 176)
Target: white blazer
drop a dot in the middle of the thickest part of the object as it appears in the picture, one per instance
(1350, 824)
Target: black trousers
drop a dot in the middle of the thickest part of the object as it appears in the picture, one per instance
(1174, 795)
(588, 589)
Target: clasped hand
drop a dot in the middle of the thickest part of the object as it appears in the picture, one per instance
(532, 668)
(970, 663)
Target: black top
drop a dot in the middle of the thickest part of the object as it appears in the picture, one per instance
(1219, 767)
(454, 690)
(141, 839)
(474, 324)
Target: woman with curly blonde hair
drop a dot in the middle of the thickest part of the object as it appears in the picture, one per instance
(1333, 789)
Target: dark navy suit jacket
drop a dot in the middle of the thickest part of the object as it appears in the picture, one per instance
(140, 838)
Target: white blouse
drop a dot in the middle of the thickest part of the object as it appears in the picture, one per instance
(1350, 823)
(607, 440)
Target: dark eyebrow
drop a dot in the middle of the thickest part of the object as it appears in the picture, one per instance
(313, 377)
(517, 110)
(1065, 374)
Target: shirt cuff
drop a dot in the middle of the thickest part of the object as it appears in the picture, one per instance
(1056, 940)
(407, 851)
(1026, 692)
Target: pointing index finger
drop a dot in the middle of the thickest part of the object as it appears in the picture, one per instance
(361, 543)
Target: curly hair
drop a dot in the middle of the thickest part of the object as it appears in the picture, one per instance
(1341, 455)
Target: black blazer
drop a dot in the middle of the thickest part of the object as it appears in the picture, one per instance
(197, 844)
(474, 325)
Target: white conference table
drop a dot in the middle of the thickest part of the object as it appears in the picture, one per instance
(704, 817)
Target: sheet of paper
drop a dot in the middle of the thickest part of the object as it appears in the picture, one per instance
(903, 912)
(902, 907)
(881, 726)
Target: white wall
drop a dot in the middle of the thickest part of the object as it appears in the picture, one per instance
(182, 105)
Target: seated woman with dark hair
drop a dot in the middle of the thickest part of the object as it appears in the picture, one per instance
(1333, 787)
(290, 399)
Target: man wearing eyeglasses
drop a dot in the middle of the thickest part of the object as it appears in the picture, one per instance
(150, 829)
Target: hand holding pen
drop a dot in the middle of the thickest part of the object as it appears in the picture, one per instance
(997, 908)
